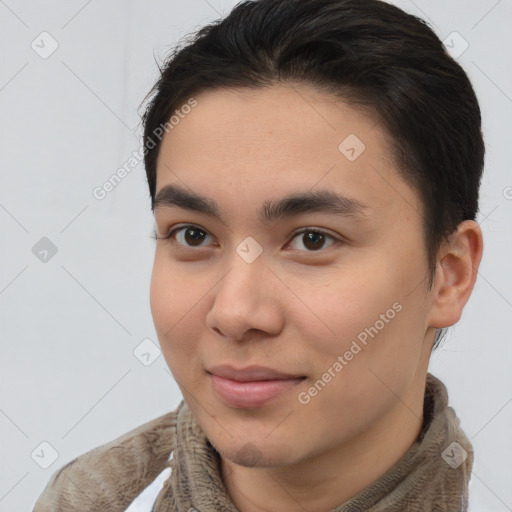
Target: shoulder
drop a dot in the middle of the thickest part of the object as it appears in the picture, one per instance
(111, 475)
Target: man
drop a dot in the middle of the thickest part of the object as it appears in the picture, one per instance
(313, 168)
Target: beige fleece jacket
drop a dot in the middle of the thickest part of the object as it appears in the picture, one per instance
(429, 477)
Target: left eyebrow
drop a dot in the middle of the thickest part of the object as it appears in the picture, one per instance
(320, 201)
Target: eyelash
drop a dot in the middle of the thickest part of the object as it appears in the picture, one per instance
(171, 233)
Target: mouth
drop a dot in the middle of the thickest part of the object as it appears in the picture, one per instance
(251, 387)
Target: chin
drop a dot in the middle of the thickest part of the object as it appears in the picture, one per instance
(257, 451)
(249, 455)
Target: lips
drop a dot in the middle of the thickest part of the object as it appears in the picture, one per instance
(251, 373)
(252, 386)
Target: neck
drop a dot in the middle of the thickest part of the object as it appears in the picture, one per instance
(327, 480)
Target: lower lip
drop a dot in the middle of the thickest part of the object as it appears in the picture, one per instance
(253, 393)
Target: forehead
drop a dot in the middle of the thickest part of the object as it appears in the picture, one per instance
(266, 143)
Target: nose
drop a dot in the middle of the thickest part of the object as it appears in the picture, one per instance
(249, 297)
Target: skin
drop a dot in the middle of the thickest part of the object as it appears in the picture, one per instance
(297, 309)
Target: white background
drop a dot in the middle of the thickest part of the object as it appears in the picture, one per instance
(69, 326)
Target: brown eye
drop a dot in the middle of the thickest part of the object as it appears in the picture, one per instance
(193, 236)
(188, 236)
(314, 239)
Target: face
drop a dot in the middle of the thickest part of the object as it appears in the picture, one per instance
(324, 307)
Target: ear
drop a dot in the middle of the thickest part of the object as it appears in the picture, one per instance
(456, 271)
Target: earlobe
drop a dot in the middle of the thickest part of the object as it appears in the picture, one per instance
(457, 269)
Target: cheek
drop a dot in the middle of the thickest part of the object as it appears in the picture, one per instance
(174, 308)
(342, 305)
(367, 316)
(161, 296)
(173, 293)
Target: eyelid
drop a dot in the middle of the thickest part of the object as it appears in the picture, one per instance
(178, 227)
(337, 240)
